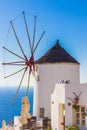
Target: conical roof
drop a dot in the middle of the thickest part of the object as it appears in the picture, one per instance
(55, 55)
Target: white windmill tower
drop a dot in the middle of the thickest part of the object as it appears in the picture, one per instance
(55, 65)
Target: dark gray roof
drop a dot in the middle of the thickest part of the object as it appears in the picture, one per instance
(55, 55)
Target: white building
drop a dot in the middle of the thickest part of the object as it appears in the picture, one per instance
(55, 65)
(55, 92)
(62, 107)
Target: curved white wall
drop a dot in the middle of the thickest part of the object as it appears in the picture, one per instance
(50, 74)
(57, 97)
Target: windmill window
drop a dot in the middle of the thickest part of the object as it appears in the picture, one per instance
(52, 102)
(41, 112)
(78, 117)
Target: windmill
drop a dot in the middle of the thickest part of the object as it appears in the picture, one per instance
(26, 63)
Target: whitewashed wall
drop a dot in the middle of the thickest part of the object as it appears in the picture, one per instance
(36, 99)
(57, 97)
(60, 95)
(50, 74)
(69, 93)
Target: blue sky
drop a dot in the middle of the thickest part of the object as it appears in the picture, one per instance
(65, 20)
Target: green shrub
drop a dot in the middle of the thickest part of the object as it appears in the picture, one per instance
(73, 128)
(48, 126)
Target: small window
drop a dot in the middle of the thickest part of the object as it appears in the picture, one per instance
(78, 117)
(41, 112)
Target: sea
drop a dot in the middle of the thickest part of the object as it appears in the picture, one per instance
(7, 110)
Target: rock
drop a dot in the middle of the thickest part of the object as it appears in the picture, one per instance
(10, 128)
(25, 110)
(3, 125)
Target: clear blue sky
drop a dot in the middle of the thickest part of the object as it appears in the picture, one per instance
(65, 20)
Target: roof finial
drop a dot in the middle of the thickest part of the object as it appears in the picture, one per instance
(57, 42)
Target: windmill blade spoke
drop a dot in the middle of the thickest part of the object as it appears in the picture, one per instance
(10, 63)
(17, 62)
(14, 73)
(18, 40)
(14, 63)
(19, 86)
(34, 33)
(27, 31)
(33, 73)
(38, 41)
(13, 53)
(28, 83)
